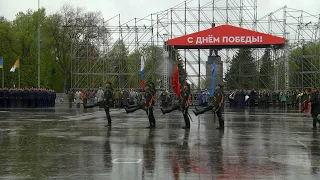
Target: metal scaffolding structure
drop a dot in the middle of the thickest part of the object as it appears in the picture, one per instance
(90, 58)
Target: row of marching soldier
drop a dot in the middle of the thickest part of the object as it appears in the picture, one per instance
(27, 98)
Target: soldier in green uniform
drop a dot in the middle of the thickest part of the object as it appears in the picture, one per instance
(152, 88)
(150, 101)
(315, 106)
(107, 103)
(217, 105)
(147, 106)
(153, 99)
(183, 105)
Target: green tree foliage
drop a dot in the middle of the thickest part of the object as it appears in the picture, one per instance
(266, 71)
(243, 71)
(153, 58)
(19, 40)
(64, 36)
(304, 66)
(280, 70)
(67, 27)
(133, 67)
(117, 64)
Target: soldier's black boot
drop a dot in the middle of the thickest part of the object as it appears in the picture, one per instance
(91, 106)
(132, 109)
(208, 108)
(131, 106)
(165, 111)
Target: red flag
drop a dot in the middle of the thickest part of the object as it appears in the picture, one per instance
(83, 94)
(309, 107)
(176, 81)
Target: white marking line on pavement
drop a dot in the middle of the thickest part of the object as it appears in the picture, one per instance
(244, 135)
(253, 157)
(302, 144)
(127, 161)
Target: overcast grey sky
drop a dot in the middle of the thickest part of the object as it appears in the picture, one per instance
(139, 8)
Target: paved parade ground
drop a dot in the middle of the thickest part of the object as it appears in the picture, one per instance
(63, 143)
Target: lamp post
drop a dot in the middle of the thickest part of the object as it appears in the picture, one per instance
(165, 65)
(38, 43)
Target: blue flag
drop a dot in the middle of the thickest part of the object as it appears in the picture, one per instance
(1, 63)
(213, 76)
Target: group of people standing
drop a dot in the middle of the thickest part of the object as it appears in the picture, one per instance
(204, 98)
(266, 98)
(309, 101)
(27, 98)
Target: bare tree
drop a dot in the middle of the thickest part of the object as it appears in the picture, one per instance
(68, 26)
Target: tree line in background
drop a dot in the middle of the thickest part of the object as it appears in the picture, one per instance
(304, 69)
(18, 39)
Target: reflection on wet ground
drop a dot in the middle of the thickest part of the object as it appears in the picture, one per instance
(64, 143)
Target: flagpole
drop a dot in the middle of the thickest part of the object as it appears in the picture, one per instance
(2, 72)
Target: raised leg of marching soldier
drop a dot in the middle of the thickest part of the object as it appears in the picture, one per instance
(90, 106)
(218, 105)
(208, 108)
(132, 108)
(169, 110)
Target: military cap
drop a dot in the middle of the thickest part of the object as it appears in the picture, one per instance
(108, 82)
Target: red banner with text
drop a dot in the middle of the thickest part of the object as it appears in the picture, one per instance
(226, 35)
